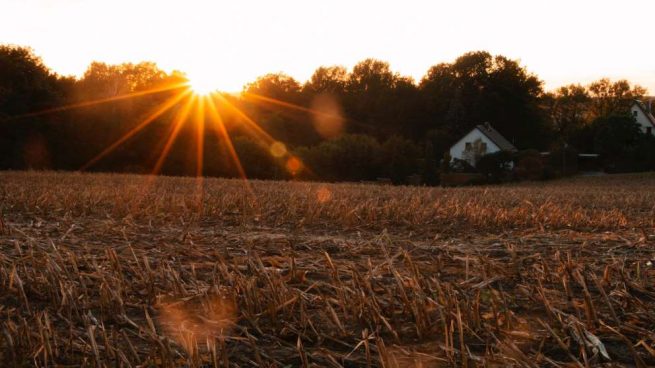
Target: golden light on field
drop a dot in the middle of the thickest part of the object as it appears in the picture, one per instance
(195, 321)
(499, 273)
(323, 194)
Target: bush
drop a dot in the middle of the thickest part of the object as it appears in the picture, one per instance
(351, 157)
(644, 152)
(495, 166)
(563, 160)
(461, 166)
(256, 161)
(529, 165)
(429, 168)
(615, 136)
(401, 159)
(444, 164)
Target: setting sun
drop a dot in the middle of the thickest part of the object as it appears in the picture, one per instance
(202, 85)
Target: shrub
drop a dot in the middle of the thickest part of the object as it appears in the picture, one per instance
(529, 165)
(461, 166)
(495, 166)
(444, 164)
(400, 158)
(615, 136)
(351, 157)
(256, 161)
(563, 160)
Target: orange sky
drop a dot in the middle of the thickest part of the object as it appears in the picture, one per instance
(230, 43)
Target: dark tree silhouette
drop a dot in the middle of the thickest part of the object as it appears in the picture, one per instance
(568, 109)
(479, 87)
(327, 80)
(26, 86)
(361, 124)
(610, 98)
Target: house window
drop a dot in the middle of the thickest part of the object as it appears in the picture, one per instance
(483, 147)
(635, 113)
(649, 130)
(468, 146)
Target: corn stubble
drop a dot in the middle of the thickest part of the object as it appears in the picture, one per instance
(130, 271)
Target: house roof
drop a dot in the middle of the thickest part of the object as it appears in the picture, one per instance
(643, 109)
(496, 137)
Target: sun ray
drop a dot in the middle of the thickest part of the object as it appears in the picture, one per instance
(200, 135)
(264, 139)
(199, 121)
(101, 101)
(149, 119)
(222, 134)
(290, 105)
(177, 126)
(259, 98)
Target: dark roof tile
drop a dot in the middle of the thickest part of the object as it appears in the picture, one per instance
(496, 137)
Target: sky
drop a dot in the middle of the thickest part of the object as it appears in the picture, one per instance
(230, 43)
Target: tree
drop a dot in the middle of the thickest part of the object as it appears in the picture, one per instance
(371, 76)
(326, 91)
(568, 110)
(615, 138)
(102, 80)
(276, 103)
(441, 139)
(27, 86)
(94, 127)
(611, 98)
(278, 86)
(327, 80)
(479, 87)
(383, 102)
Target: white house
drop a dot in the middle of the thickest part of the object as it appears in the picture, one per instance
(481, 140)
(644, 116)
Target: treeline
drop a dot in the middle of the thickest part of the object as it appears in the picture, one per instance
(360, 124)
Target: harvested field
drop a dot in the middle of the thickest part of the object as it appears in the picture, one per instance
(127, 271)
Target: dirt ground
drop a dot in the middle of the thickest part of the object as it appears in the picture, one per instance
(119, 270)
